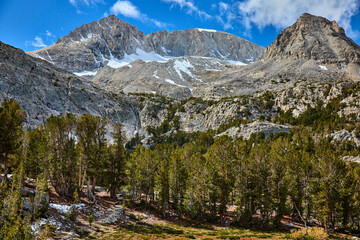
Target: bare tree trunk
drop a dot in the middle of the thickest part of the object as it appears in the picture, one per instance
(85, 170)
(6, 167)
(93, 185)
(80, 186)
(113, 192)
(90, 195)
(88, 187)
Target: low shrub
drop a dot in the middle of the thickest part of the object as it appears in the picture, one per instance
(314, 233)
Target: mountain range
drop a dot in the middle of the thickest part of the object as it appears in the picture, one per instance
(109, 68)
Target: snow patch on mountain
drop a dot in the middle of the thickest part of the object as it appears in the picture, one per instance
(140, 55)
(165, 49)
(174, 83)
(239, 63)
(323, 67)
(155, 75)
(83, 39)
(183, 66)
(206, 30)
(85, 73)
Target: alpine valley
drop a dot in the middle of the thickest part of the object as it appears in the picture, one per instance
(202, 78)
(197, 134)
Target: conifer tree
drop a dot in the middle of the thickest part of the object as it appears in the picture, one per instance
(11, 119)
(116, 164)
(92, 144)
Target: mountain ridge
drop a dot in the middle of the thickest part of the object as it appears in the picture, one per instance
(222, 94)
(94, 44)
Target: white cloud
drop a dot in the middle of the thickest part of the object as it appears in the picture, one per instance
(226, 15)
(75, 3)
(283, 13)
(39, 43)
(189, 6)
(127, 9)
(49, 34)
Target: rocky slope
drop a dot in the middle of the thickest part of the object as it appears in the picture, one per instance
(112, 42)
(175, 78)
(314, 38)
(43, 89)
(281, 81)
(313, 49)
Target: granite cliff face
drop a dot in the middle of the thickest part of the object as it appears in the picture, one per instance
(314, 38)
(205, 43)
(43, 89)
(112, 42)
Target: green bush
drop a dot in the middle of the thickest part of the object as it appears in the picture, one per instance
(72, 214)
(90, 219)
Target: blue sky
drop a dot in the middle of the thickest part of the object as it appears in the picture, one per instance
(33, 24)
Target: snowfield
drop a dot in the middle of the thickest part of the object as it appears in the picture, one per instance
(140, 55)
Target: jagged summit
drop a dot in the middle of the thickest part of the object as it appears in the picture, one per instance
(111, 41)
(315, 38)
(108, 26)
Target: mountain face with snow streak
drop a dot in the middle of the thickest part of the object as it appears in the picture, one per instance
(176, 78)
(115, 43)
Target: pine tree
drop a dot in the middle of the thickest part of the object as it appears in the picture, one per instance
(220, 162)
(115, 168)
(279, 176)
(11, 118)
(162, 158)
(12, 223)
(92, 144)
(37, 153)
(60, 165)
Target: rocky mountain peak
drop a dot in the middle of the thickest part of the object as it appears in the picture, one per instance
(308, 22)
(111, 41)
(316, 38)
(109, 26)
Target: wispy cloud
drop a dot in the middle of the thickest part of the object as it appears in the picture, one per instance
(283, 13)
(76, 3)
(226, 15)
(189, 6)
(128, 9)
(84, 3)
(38, 42)
(49, 34)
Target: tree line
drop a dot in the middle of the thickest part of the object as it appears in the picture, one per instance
(299, 173)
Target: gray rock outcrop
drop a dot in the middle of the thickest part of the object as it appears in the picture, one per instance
(255, 127)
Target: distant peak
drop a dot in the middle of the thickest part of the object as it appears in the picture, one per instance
(310, 22)
(316, 38)
(112, 16)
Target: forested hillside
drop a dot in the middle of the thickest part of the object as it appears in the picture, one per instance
(302, 173)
